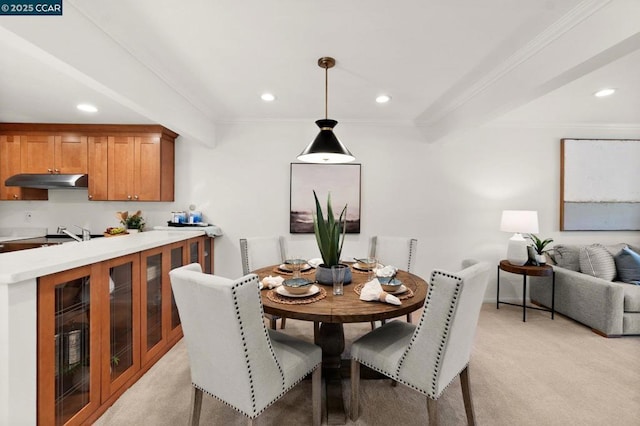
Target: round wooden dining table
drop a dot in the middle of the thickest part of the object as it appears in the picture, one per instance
(330, 313)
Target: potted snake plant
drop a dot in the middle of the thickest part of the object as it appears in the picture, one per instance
(330, 238)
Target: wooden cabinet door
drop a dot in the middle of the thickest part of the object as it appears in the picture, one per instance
(68, 346)
(178, 257)
(10, 164)
(120, 322)
(155, 266)
(121, 167)
(147, 169)
(70, 154)
(37, 154)
(97, 167)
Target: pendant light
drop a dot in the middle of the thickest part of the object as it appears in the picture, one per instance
(326, 148)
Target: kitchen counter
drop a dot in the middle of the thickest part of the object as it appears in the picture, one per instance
(22, 265)
(19, 272)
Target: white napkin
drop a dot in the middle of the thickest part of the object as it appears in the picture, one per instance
(314, 262)
(373, 291)
(386, 271)
(272, 282)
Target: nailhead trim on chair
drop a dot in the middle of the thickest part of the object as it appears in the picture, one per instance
(443, 340)
(253, 281)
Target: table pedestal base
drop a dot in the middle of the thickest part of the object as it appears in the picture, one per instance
(331, 340)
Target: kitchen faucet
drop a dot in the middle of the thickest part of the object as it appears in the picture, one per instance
(85, 233)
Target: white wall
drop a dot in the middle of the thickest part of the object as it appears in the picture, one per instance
(448, 194)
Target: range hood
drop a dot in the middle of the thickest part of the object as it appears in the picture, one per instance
(48, 181)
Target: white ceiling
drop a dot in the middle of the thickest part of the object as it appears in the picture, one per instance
(448, 64)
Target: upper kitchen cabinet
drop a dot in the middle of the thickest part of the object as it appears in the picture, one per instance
(122, 162)
(10, 164)
(56, 154)
(140, 168)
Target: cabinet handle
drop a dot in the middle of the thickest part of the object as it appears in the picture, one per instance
(15, 196)
(49, 170)
(90, 197)
(128, 197)
(56, 171)
(135, 196)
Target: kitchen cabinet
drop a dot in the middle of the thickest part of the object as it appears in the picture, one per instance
(97, 168)
(123, 162)
(134, 168)
(101, 326)
(120, 327)
(10, 164)
(68, 346)
(54, 153)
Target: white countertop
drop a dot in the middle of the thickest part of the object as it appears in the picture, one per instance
(22, 265)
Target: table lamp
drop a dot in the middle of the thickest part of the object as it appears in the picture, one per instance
(520, 222)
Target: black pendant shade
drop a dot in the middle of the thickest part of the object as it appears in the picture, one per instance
(326, 148)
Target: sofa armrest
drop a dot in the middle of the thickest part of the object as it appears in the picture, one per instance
(592, 301)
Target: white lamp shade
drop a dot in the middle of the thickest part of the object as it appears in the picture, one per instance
(521, 221)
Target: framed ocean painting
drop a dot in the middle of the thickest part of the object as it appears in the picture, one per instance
(341, 180)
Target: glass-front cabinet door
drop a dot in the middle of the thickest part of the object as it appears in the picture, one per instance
(178, 257)
(120, 345)
(196, 250)
(207, 267)
(68, 343)
(155, 270)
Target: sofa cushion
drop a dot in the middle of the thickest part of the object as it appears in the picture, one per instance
(628, 266)
(631, 297)
(566, 256)
(595, 260)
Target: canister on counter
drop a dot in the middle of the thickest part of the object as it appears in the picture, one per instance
(179, 217)
(195, 217)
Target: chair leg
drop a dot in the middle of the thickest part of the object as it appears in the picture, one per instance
(196, 405)
(466, 396)
(432, 409)
(283, 322)
(409, 318)
(355, 389)
(316, 395)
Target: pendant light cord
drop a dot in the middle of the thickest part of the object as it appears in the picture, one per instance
(326, 91)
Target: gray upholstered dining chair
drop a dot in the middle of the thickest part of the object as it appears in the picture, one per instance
(258, 252)
(397, 251)
(233, 356)
(428, 356)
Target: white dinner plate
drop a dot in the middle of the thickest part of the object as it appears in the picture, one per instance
(359, 267)
(287, 268)
(282, 291)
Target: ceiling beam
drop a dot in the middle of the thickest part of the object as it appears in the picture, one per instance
(562, 53)
(109, 70)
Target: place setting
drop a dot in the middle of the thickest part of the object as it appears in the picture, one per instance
(294, 290)
(384, 287)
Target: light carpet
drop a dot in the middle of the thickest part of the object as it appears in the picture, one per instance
(541, 372)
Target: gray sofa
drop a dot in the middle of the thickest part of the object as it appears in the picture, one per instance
(610, 307)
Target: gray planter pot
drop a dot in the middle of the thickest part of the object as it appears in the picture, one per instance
(323, 274)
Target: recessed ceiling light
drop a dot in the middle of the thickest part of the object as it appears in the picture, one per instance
(87, 108)
(604, 92)
(383, 99)
(268, 97)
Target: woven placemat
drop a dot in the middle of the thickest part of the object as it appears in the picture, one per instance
(283, 272)
(276, 297)
(403, 296)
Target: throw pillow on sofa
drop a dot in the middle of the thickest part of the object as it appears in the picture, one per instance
(628, 266)
(566, 256)
(595, 260)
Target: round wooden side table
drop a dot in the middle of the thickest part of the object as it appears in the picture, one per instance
(527, 271)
